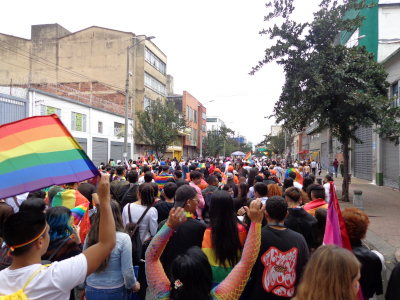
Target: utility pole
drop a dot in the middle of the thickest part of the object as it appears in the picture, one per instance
(128, 73)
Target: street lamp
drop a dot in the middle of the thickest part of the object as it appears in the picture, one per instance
(128, 73)
(201, 128)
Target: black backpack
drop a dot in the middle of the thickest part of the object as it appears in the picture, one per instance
(132, 229)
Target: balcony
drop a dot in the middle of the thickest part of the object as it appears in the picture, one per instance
(193, 143)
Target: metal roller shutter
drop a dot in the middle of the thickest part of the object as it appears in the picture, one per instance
(391, 165)
(117, 151)
(324, 156)
(83, 143)
(99, 151)
(363, 154)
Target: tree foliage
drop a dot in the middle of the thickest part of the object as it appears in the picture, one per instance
(276, 143)
(219, 140)
(341, 88)
(158, 126)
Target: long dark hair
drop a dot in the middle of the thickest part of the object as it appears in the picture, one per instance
(146, 192)
(244, 189)
(193, 270)
(224, 230)
(252, 174)
(93, 234)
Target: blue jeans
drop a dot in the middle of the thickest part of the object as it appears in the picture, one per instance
(106, 294)
(336, 172)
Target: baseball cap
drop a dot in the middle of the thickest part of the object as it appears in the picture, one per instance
(229, 175)
(183, 194)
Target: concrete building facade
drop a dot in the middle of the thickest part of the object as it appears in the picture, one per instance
(92, 60)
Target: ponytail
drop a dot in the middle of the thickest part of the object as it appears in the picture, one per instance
(146, 194)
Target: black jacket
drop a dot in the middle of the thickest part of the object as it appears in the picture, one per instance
(371, 268)
(302, 222)
(268, 181)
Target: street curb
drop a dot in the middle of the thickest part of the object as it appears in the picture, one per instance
(390, 252)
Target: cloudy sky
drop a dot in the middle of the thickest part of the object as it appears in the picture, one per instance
(211, 46)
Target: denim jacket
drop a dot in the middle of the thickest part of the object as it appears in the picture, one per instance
(119, 269)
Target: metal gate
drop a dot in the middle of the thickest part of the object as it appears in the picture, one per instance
(12, 109)
(99, 151)
(117, 151)
(363, 154)
(391, 167)
(83, 143)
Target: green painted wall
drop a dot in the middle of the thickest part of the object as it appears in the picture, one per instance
(369, 28)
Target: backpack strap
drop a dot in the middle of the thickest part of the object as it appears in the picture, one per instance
(16, 201)
(58, 248)
(37, 271)
(141, 218)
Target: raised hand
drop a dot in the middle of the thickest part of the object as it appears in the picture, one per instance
(255, 212)
(103, 189)
(176, 217)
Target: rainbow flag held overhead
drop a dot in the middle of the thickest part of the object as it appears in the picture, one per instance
(79, 211)
(299, 178)
(39, 152)
(247, 156)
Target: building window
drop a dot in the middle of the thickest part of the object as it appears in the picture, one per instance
(187, 112)
(78, 122)
(191, 114)
(147, 102)
(195, 115)
(204, 128)
(204, 116)
(395, 93)
(153, 60)
(100, 127)
(194, 134)
(353, 40)
(212, 120)
(154, 84)
(119, 129)
(48, 110)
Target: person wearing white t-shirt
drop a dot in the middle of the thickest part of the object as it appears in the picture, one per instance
(295, 183)
(327, 186)
(27, 235)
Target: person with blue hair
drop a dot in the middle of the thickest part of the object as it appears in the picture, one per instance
(62, 246)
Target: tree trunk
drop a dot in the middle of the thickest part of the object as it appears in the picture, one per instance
(345, 185)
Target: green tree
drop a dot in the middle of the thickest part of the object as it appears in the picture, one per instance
(341, 88)
(158, 126)
(218, 141)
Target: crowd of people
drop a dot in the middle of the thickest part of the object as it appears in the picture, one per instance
(186, 229)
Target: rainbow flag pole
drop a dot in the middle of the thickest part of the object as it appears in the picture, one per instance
(39, 152)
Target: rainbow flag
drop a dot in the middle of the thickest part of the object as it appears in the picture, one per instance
(218, 271)
(202, 166)
(79, 211)
(39, 152)
(247, 156)
(299, 178)
(161, 180)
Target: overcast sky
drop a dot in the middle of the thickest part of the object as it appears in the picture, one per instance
(210, 46)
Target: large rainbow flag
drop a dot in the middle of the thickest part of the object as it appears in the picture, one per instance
(299, 178)
(39, 152)
(247, 156)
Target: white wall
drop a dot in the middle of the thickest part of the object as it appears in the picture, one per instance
(93, 116)
(389, 33)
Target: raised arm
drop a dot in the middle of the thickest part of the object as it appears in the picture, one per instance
(233, 285)
(158, 282)
(97, 253)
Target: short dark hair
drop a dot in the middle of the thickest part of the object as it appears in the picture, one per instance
(292, 175)
(192, 167)
(195, 175)
(258, 178)
(277, 208)
(170, 189)
(155, 187)
(181, 182)
(165, 167)
(22, 227)
(145, 169)
(267, 173)
(148, 176)
(178, 174)
(37, 194)
(33, 204)
(317, 190)
(261, 188)
(212, 179)
(120, 170)
(133, 176)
